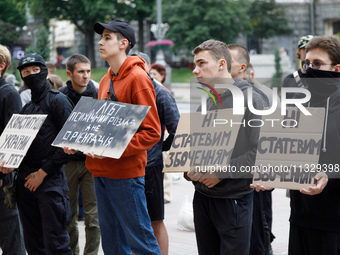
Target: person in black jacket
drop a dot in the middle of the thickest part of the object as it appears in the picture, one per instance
(223, 202)
(315, 212)
(11, 237)
(79, 71)
(261, 234)
(41, 188)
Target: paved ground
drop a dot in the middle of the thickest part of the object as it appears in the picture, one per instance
(184, 243)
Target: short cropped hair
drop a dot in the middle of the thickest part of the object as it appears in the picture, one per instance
(243, 54)
(74, 59)
(121, 37)
(217, 49)
(5, 57)
(330, 44)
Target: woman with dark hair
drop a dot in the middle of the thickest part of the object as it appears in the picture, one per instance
(158, 72)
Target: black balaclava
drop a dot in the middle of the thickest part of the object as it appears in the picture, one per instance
(37, 83)
(321, 84)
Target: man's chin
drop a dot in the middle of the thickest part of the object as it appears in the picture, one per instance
(204, 81)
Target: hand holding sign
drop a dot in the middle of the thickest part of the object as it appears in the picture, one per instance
(194, 175)
(259, 187)
(322, 180)
(210, 179)
(69, 151)
(92, 155)
(5, 170)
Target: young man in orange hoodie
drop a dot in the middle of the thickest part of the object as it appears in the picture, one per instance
(124, 222)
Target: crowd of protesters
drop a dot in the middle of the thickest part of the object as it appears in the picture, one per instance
(123, 199)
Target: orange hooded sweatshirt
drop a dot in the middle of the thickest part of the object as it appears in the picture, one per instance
(133, 86)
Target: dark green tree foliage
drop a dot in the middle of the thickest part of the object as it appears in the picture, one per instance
(136, 10)
(43, 43)
(82, 13)
(10, 13)
(12, 19)
(192, 22)
(268, 18)
(277, 76)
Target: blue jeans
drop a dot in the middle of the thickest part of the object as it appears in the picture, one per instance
(124, 221)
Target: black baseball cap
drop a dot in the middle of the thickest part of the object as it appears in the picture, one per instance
(117, 26)
(30, 60)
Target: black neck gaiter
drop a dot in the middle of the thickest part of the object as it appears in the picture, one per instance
(321, 84)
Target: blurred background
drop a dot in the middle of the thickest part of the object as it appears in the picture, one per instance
(167, 31)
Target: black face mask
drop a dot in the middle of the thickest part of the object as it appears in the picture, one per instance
(37, 82)
(321, 84)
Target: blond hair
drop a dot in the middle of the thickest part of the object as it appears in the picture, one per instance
(5, 57)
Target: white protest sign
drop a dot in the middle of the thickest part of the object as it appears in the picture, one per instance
(204, 141)
(18, 136)
(288, 154)
(102, 127)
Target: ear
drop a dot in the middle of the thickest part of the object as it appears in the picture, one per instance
(69, 74)
(252, 74)
(123, 43)
(2, 67)
(222, 64)
(337, 68)
(243, 68)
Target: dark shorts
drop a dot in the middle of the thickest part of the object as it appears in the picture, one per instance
(154, 192)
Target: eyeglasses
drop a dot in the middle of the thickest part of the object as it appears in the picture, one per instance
(315, 65)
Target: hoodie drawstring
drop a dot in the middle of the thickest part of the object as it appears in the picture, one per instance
(325, 127)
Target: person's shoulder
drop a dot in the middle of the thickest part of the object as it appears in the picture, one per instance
(59, 99)
(8, 88)
(289, 76)
(63, 89)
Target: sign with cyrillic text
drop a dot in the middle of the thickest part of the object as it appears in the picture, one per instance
(204, 142)
(102, 127)
(288, 154)
(18, 136)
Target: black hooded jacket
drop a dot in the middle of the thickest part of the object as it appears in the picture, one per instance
(244, 152)
(45, 100)
(91, 91)
(322, 211)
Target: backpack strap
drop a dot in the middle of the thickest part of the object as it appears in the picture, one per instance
(298, 79)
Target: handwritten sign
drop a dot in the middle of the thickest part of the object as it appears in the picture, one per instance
(287, 152)
(203, 141)
(104, 127)
(18, 136)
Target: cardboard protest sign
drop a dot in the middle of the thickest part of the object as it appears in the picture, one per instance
(204, 141)
(18, 136)
(104, 127)
(288, 152)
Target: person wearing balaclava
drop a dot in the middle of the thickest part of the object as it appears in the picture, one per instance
(41, 186)
(315, 212)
